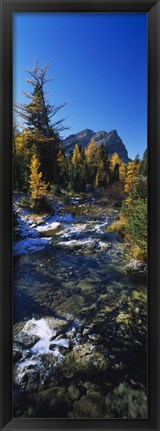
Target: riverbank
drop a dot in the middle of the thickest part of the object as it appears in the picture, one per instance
(80, 319)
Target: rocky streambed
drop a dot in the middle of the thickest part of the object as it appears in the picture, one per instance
(80, 319)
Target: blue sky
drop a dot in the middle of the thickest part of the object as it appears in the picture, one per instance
(99, 65)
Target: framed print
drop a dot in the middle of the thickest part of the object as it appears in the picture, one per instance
(80, 238)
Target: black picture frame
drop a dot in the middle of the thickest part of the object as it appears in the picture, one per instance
(152, 8)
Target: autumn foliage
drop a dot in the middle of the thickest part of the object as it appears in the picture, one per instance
(37, 186)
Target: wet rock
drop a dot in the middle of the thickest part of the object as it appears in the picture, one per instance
(126, 402)
(73, 392)
(88, 313)
(26, 339)
(27, 378)
(85, 359)
(102, 246)
(17, 352)
(58, 325)
(73, 304)
(71, 334)
(87, 329)
(62, 347)
(136, 266)
(86, 285)
(94, 338)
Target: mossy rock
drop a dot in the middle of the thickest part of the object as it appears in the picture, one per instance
(71, 305)
(73, 391)
(141, 296)
(17, 327)
(86, 285)
(90, 406)
(86, 360)
(123, 317)
(126, 402)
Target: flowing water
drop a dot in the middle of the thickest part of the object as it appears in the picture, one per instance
(79, 319)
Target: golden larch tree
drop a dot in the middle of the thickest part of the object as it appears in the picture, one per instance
(122, 172)
(76, 156)
(92, 153)
(115, 160)
(131, 176)
(38, 187)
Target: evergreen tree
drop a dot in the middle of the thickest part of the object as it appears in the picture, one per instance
(61, 167)
(101, 178)
(137, 158)
(104, 157)
(143, 169)
(76, 169)
(137, 224)
(38, 117)
(92, 154)
(84, 174)
(115, 173)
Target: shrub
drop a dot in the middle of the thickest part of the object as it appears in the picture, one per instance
(137, 252)
(118, 226)
(42, 205)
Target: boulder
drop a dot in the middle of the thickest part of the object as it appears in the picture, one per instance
(90, 406)
(84, 358)
(136, 266)
(26, 339)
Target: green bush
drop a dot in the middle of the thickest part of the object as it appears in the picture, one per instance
(136, 225)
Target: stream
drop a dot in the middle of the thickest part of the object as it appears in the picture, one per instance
(80, 319)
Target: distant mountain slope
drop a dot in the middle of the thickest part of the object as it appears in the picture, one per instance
(111, 140)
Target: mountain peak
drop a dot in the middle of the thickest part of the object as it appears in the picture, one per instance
(110, 140)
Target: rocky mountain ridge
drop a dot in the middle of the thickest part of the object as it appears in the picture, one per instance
(111, 140)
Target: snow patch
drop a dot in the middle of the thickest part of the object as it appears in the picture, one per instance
(48, 226)
(77, 243)
(76, 229)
